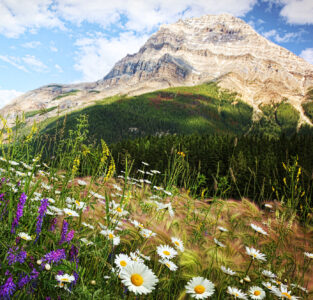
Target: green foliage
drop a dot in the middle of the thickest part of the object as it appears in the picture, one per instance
(308, 110)
(183, 110)
(43, 111)
(247, 166)
(72, 92)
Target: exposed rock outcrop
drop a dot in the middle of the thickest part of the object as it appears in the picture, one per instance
(219, 48)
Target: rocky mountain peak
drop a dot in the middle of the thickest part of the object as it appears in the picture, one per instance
(219, 48)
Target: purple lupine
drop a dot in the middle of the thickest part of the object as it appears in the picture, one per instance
(19, 212)
(73, 254)
(64, 232)
(7, 289)
(70, 236)
(41, 213)
(54, 256)
(27, 278)
(14, 255)
(53, 224)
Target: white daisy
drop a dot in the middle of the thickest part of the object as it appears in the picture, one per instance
(80, 205)
(200, 288)
(66, 278)
(178, 243)
(166, 252)
(268, 205)
(136, 257)
(300, 287)
(111, 236)
(85, 241)
(269, 274)
(146, 233)
(269, 285)
(138, 278)
(70, 212)
(136, 223)
(122, 260)
(308, 254)
(237, 293)
(81, 182)
(88, 225)
(222, 229)
(256, 293)
(283, 293)
(25, 236)
(255, 254)
(144, 163)
(120, 211)
(169, 264)
(228, 271)
(218, 243)
(142, 255)
(258, 229)
(155, 171)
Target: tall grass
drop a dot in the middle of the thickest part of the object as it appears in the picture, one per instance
(54, 224)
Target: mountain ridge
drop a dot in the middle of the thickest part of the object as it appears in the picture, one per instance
(221, 48)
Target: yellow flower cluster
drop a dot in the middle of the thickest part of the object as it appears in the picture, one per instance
(75, 165)
(182, 154)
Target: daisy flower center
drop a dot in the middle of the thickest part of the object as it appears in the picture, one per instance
(287, 295)
(77, 202)
(236, 295)
(65, 280)
(136, 279)
(111, 236)
(69, 213)
(123, 263)
(257, 293)
(177, 243)
(165, 252)
(168, 265)
(119, 209)
(199, 289)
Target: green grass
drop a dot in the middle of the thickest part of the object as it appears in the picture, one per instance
(40, 112)
(182, 110)
(73, 92)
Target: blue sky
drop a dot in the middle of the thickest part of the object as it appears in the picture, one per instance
(66, 41)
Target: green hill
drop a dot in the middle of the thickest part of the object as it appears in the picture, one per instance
(202, 109)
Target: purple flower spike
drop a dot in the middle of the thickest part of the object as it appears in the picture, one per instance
(54, 256)
(19, 212)
(41, 213)
(7, 289)
(70, 236)
(16, 256)
(64, 232)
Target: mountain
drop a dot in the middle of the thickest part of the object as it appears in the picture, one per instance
(212, 48)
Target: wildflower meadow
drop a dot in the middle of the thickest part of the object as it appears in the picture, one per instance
(119, 236)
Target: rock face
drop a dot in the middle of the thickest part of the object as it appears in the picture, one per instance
(219, 48)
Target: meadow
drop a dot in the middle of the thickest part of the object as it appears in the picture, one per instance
(122, 235)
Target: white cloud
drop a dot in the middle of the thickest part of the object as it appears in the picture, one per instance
(32, 45)
(285, 38)
(97, 55)
(7, 95)
(298, 11)
(59, 68)
(143, 15)
(18, 16)
(34, 63)
(307, 54)
(295, 11)
(14, 61)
